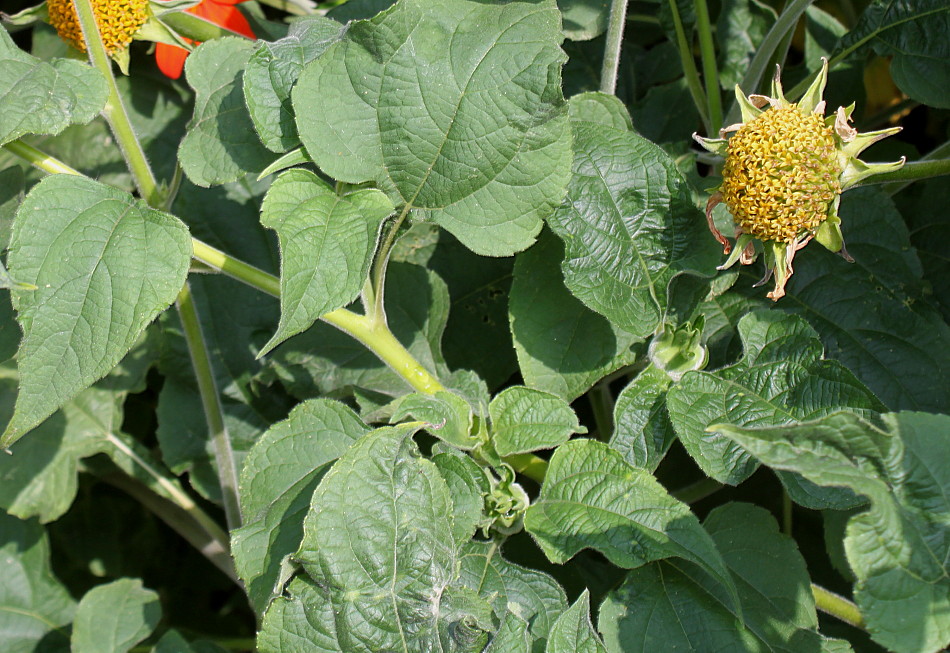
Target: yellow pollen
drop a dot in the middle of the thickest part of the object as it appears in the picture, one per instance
(781, 174)
(118, 20)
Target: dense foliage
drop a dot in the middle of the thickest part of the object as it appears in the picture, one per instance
(399, 328)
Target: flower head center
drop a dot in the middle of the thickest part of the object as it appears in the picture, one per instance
(118, 20)
(781, 174)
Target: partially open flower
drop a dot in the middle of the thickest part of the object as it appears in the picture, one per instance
(785, 169)
(118, 21)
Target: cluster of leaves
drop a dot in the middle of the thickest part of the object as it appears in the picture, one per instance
(499, 343)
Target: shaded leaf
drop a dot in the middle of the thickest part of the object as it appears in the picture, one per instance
(278, 478)
(454, 107)
(670, 605)
(592, 499)
(468, 486)
(898, 548)
(642, 429)
(36, 608)
(221, 144)
(113, 618)
(105, 266)
(584, 19)
(563, 347)
(573, 632)
(740, 29)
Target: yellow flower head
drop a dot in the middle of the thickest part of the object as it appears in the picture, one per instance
(118, 21)
(785, 169)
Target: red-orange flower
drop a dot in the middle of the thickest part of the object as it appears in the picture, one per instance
(171, 58)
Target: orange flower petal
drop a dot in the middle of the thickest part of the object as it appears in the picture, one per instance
(170, 59)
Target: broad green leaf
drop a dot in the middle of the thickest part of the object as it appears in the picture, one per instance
(39, 478)
(447, 416)
(914, 32)
(452, 106)
(221, 144)
(670, 605)
(35, 609)
(584, 19)
(271, 73)
(573, 632)
(922, 207)
(780, 379)
(479, 288)
(740, 29)
(870, 314)
(300, 621)
(38, 97)
(174, 642)
(115, 617)
(592, 499)
(531, 595)
(629, 226)
(899, 548)
(512, 636)
(642, 429)
(563, 347)
(11, 194)
(327, 243)
(468, 486)
(324, 360)
(279, 475)
(526, 420)
(373, 512)
(105, 266)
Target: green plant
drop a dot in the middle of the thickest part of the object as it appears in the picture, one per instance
(405, 317)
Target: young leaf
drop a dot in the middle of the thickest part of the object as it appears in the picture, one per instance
(573, 632)
(563, 347)
(468, 486)
(512, 636)
(221, 144)
(871, 314)
(592, 499)
(899, 548)
(278, 478)
(37, 97)
(271, 73)
(670, 605)
(327, 243)
(36, 609)
(455, 107)
(527, 420)
(115, 617)
(629, 226)
(105, 265)
(532, 595)
(781, 378)
(643, 432)
(375, 510)
(447, 416)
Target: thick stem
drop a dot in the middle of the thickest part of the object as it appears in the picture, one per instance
(689, 67)
(910, 172)
(710, 68)
(611, 63)
(837, 606)
(39, 159)
(114, 111)
(211, 403)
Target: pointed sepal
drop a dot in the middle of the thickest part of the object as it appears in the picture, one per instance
(749, 110)
(813, 96)
(740, 253)
(829, 233)
(857, 171)
(778, 95)
(715, 145)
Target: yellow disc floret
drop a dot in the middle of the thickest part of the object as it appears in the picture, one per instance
(118, 20)
(781, 174)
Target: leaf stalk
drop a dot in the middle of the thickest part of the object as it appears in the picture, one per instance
(611, 62)
(837, 606)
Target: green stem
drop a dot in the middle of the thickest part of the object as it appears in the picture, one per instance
(602, 404)
(529, 465)
(710, 70)
(235, 268)
(195, 27)
(837, 606)
(611, 63)
(689, 67)
(912, 171)
(211, 403)
(39, 159)
(696, 491)
(773, 39)
(114, 111)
